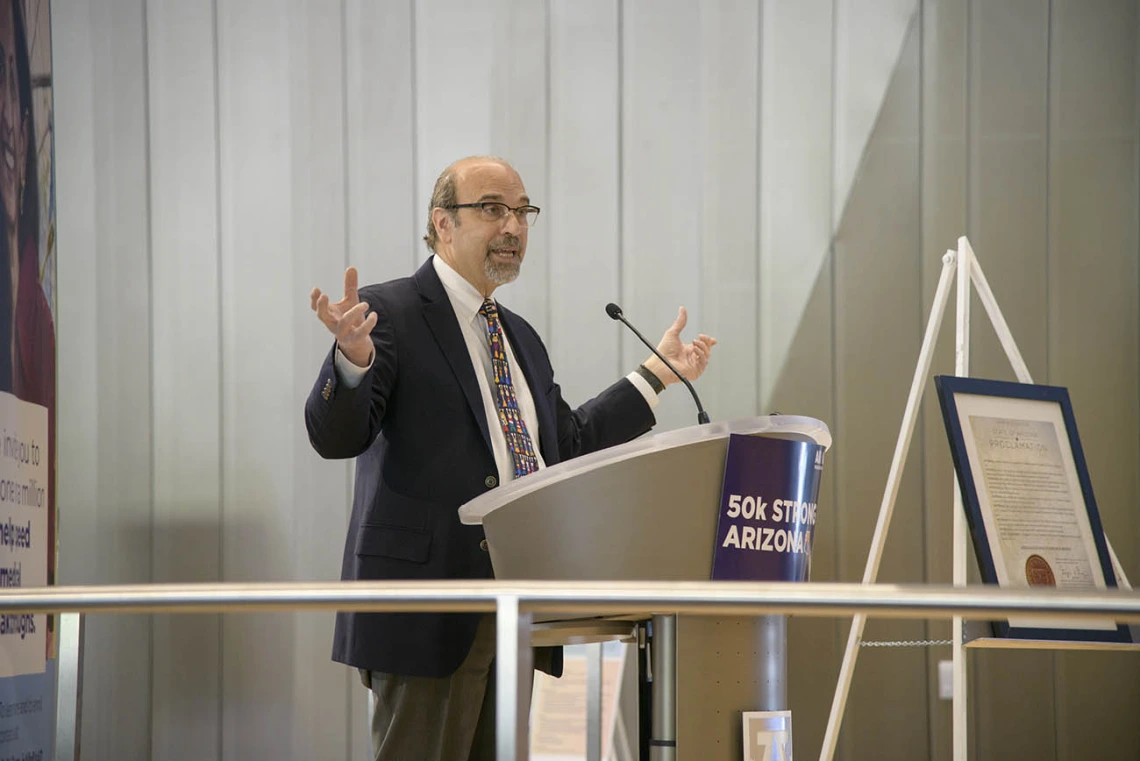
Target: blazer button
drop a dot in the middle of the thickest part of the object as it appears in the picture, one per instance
(490, 482)
(483, 545)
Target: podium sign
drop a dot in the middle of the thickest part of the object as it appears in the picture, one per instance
(767, 509)
(767, 736)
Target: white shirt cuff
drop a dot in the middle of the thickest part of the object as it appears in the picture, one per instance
(643, 386)
(352, 374)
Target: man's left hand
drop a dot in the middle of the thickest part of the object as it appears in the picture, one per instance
(690, 359)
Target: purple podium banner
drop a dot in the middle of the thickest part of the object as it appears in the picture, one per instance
(767, 509)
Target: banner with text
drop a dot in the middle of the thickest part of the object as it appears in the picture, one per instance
(27, 374)
(767, 509)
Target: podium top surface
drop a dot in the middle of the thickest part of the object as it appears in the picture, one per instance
(784, 426)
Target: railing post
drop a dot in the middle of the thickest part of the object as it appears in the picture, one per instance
(663, 742)
(514, 676)
(594, 683)
(69, 686)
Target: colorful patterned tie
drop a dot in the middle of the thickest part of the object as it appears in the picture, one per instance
(510, 417)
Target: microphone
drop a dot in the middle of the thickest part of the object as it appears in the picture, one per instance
(615, 313)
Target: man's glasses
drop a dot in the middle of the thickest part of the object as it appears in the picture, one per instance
(495, 211)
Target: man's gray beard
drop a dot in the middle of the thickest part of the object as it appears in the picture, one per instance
(500, 274)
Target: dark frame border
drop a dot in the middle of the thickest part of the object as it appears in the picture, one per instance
(948, 387)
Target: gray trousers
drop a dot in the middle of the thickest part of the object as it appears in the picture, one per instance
(446, 719)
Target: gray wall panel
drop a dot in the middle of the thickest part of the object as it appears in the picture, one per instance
(1093, 318)
(115, 545)
(384, 220)
(452, 88)
(662, 249)
(187, 394)
(869, 35)
(1009, 69)
(728, 291)
(796, 225)
(103, 537)
(581, 215)
(77, 336)
(258, 434)
(877, 308)
(1008, 175)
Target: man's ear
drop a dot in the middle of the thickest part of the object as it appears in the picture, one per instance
(443, 224)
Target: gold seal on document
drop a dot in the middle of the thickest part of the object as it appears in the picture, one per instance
(1038, 573)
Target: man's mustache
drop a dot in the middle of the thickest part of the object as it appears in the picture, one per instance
(507, 241)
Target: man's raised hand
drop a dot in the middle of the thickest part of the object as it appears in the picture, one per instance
(348, 319)
(690, 359)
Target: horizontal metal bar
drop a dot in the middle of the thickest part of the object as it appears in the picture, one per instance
(629, 599)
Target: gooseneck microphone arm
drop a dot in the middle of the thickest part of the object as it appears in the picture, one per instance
(614, 311)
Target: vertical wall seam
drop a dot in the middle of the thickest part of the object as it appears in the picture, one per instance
(1048, 187)
(758, 304)
(920, 256)
(833, 225)
(414, 111)
(1055, 658)
(620, 172)
(345, 148)
(149, 242)
(969, 118)
(548, 22)
(971, 665)
(832, 234)
(218, 220)
(700, 107)
(346, 154)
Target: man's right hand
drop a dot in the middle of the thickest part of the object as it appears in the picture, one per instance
(348, 319)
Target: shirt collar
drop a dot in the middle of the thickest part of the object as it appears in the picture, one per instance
(463, 295)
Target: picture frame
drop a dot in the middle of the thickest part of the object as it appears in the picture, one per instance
(1028, 497)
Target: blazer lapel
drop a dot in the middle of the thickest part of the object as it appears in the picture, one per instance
(525, 352)
(440, 317)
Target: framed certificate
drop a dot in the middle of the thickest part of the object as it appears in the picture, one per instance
(1028, 498)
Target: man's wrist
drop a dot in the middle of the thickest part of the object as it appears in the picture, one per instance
(650, 378)
(660, 370)
(355, 356)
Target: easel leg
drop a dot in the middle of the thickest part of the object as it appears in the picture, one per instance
(959, 715)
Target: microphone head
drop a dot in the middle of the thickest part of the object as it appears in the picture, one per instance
(613, 310)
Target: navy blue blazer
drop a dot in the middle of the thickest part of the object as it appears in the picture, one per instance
(418, 431)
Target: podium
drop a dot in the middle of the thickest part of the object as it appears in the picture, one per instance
(646, 510)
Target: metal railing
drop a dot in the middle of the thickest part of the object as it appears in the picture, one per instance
(641, 598)
(515, 603)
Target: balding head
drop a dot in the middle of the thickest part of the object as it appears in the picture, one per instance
(446, 190)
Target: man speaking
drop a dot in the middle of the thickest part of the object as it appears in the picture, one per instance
(441, 393)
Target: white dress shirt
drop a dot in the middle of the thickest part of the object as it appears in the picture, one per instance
(466, 301)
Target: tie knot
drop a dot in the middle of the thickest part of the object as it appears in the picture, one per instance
(489, 310)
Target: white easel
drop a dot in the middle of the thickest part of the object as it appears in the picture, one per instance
(966, 267)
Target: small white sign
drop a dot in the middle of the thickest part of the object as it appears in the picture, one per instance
(767, 736)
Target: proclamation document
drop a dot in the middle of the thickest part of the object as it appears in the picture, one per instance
(1031, 502)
